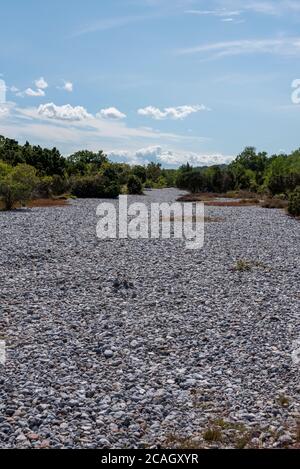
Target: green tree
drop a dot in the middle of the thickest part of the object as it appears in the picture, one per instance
(153, 171)
(140, 172)
(86, 161)
(17, 184)
(294, 203)
(134, 185)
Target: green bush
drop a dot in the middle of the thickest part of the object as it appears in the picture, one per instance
(149, 184)
(43, 188)
(16, 184)
(140, 172)
(95, 187)
(294, 203)
(134, 185)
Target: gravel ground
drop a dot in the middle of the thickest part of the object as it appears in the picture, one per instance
(142, 343)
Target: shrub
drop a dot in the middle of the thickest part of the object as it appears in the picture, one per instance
(149, 184)
(140, 172)
(17, 184)
(97, 187)
(294, 203)
(212, 435)
(43, 188)
(274, 203)
(134, 185)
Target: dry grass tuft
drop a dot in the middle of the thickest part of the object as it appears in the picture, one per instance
(213, 435)
(243, 265)
(41, 203)
(275, 203)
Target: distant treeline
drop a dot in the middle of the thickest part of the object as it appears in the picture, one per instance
(27, 170)
(251, 171)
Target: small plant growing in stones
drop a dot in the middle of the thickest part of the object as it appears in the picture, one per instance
(212, 435)
(242, 266)
(283, 401)
(294, 203)
(242, 441)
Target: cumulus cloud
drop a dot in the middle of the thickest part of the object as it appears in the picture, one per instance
(177, 158)
(34, 93)
(170, 157)
(65, 113)
(111, 113)
(175, 113)
(41, 83)
(68, 86)
(125, 156)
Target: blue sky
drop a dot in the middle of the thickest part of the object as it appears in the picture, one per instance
(152, 80)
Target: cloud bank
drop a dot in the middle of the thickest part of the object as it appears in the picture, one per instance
(65, 113)
(175, 113)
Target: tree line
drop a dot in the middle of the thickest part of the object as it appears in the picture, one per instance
(32, 171)
(28, 170)
(251, 171)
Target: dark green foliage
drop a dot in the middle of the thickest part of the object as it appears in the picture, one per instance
(294, 203)
(85, 161)
(140, 172)
(47, 162)
(16, 184)
(192, 180)
(134, 185)
(250, 171)
(95, 187)
(154, 171)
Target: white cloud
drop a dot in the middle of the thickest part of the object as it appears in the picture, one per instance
(219, 13)
(175, 113)
(125, 156)
(279, 46)
(34, 93)
(73, 128)
(41, 83)
(111, 113)
(177, 158)
(65, 113)
(169, 157)
(68, 86)
(14, 89)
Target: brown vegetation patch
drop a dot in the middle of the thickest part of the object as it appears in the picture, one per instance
(48, 203)
(215, 200)
(41, 203)
(275, 203)
(199, 197)
(214, 197)
(237, 203)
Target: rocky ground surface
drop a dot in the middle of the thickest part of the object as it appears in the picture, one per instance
(134, 344)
